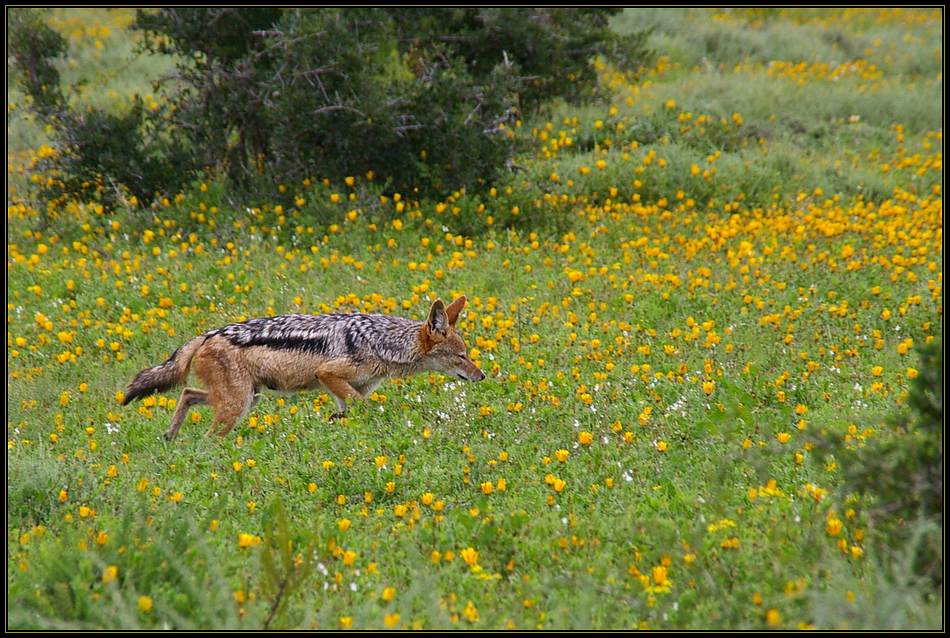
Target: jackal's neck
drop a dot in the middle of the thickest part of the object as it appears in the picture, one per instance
(397, 341)
(416, 348)
(405, 369)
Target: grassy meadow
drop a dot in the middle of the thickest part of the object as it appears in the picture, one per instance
(686, 292)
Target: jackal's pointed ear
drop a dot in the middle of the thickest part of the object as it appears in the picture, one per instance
(454, 308)
(437, 323)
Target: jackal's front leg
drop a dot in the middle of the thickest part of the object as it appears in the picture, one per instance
(341, 390)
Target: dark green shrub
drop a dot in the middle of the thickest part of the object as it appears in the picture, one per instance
(218, 97)
(900, 473)
(329, 93)
(109, 158)
(100, 156)
(904, 472)
(430, 127)
(422, 97)
(548, 49)
(33, 47)
(426, 99)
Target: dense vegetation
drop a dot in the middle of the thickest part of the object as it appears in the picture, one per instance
(423, 98)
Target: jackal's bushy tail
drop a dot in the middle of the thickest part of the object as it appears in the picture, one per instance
(164, 376)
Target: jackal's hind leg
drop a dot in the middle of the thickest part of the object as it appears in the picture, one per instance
(228, 412)
(230, 385)
(189, 397)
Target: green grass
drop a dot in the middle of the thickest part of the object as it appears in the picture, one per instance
(742, 273)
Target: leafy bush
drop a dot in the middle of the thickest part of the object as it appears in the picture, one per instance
(101, 156)
(110, 158)
(902, 475)
(422, 98)
(34, 46)
(426, 99)
(548, 49)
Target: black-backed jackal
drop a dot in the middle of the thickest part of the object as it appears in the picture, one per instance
(348, 354)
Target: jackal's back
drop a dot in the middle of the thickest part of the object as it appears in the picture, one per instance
(356, 337)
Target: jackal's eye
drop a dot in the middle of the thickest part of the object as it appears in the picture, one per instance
(460, 356)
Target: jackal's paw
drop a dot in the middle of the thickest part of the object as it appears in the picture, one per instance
(169, 436)
(337, 415)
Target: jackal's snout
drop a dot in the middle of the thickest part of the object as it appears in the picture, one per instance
(468, 370)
